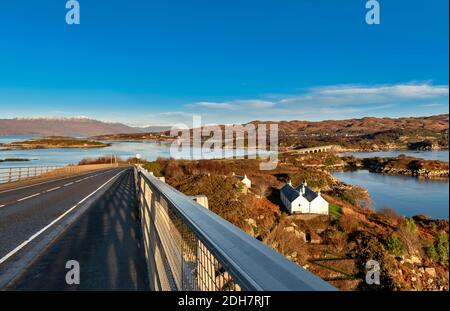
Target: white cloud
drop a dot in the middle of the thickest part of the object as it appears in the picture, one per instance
(327, 102)
(212, 105)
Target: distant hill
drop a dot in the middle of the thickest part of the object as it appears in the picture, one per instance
(362, 126)
(156, 129)
(77, 126)
(367, 133)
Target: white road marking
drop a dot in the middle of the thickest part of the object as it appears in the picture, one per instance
(3, 205)
(46, 182)
(66, 185)
(53, 189)
(23, 244)
(28, 197)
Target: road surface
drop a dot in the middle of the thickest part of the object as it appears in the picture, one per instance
(105, 239)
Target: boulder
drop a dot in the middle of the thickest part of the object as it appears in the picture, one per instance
(413, 260)
(301, 235)
(431, 272)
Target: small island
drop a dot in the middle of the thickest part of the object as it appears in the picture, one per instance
(14, 160)
(53, 142)
(132, 137)
(401, 165)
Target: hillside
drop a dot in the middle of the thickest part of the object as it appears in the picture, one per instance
(362, 126)
(61, 127)
(370, 133)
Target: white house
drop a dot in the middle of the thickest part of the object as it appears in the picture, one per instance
(243, 179)
(303, 200)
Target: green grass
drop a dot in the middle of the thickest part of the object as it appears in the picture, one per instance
(335, 211)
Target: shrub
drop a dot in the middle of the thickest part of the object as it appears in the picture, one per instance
(407, 231)
(431, 252)
(441, 246)
(153, 167)
(439, 250)
(410, 224)
(395, 246)
(348, 223)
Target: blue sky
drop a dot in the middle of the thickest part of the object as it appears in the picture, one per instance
(159, 62)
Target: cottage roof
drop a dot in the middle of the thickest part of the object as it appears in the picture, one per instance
(293, 193)
(290, 193)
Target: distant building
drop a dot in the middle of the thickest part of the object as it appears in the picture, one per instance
(303, 200)
(243, 179)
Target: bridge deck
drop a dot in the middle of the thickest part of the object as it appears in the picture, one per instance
(105, 240)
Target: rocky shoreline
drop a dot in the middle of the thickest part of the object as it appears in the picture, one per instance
(53, 143)
(401, 165)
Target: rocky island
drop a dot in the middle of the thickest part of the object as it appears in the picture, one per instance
(53, 142)
(401, 165)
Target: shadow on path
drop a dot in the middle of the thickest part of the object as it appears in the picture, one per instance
(106, 241)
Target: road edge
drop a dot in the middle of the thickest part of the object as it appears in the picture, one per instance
(18, 267)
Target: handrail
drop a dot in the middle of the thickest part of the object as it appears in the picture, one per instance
(16, 173)
(251, 264)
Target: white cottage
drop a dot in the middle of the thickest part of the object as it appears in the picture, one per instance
(243, 179)
(303, 200)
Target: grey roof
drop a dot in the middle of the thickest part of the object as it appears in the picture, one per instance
(293, 193)
(290, 193)
(309, 194)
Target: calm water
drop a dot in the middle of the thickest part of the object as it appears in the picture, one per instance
(409, 196)
(148, 150)
(441, 155)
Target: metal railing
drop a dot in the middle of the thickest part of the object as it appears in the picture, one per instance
(188, 247)
(11, 174)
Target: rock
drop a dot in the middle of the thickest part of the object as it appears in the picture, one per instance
(294, 225)
(289, 229)
(421, 217)
(413, 279)
(421, 270)
(301, 235)
(430, 281)
(413, 260)
(294, 254)
(431, 272)
(315, 240)
(251, 222)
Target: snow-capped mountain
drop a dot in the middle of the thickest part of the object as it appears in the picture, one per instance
(62, 126)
